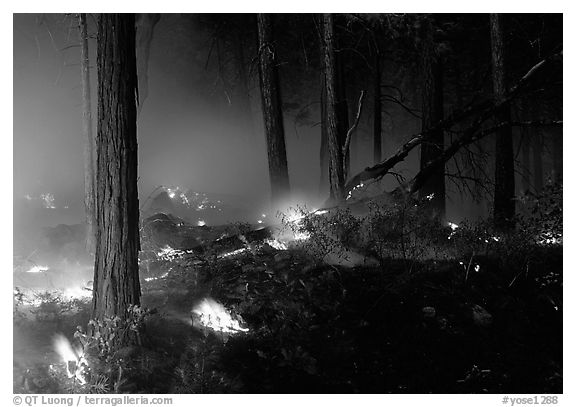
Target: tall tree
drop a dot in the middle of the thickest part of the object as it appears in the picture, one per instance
(377, 130)
(89, 147)
(323, 137)
(116, 277)
(333, 110)
(537, 141)
(504, 205)
(145, 24)
(272, 111)
(432, 114)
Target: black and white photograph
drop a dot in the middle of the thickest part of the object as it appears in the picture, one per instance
(287, 203)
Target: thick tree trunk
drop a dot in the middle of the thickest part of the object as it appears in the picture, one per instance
(537, 152)
(272, 111)
(504, 204)
(526, 172)
(377, 134)
(145, 24)
(323, 138)
(89, 145)
(557, 159)
(342, 105)
(333, 111)
(432, 114)
(116, 277)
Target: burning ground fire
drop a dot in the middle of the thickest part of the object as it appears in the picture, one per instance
(211, 314)
(73, 358)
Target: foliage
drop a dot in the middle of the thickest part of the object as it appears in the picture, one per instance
(110, 334)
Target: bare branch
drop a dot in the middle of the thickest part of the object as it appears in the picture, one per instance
(354, 126)
(485, 110)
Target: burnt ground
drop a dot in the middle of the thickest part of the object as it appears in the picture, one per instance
(423, 327)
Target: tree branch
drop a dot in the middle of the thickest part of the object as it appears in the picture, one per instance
(486, 110)
(354, 126)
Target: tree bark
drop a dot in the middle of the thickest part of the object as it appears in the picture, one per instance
(323, 137)
(144, 32)
(526, 160)
(89, 147)
(333, 111)
(116, 276)
(272, 111)
(537, 152)
(432, 113)
(504, 204)
(377, 134)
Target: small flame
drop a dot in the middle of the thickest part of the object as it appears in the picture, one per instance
(277, 244)
(201, 223)
(169, 253)
(38, 269)
(73, 358)
(234, 252)
(213, 315)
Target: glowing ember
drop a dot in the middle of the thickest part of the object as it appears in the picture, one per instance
(234, 252)
(549, 239)
(211, 314)
(452, 226)
(360, 185)
(73, 358)
(169, 254)
(156, 278)
(48, 200)
(277, 244)
(38, 269)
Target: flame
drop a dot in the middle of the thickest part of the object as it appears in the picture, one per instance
(201, 223)
(169, 253)
(38, 269)
(277, 244)
(234, 252)
(211, 314)
(73, 358)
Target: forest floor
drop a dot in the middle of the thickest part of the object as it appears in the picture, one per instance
(310, 327)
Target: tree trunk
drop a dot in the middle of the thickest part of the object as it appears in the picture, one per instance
(526, 160)
(333, 112)
(557, 158)
(342, 105)
(144, 31)
(323, 138)
(504, 204)
(377, 111)
(432, 114)
(116, 277)
(272, 111)
(537, 152)
(89, 147)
